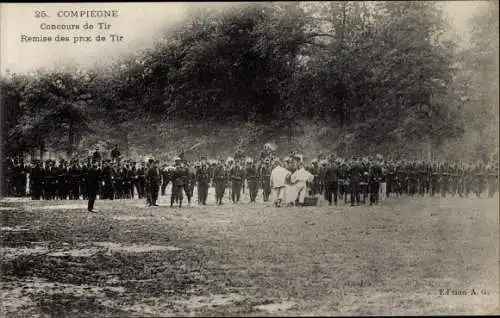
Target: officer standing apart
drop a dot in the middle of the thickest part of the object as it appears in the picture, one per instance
(92, 179)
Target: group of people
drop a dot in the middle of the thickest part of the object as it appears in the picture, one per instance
(294, 180)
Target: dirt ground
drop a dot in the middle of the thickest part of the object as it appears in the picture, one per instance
(406, 256)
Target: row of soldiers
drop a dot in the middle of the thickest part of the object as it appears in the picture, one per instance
(361, 178)
(356, 178)
(127, 179)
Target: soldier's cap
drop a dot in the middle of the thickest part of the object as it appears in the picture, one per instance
(151, 161)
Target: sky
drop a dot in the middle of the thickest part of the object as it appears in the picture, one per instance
(138, 23)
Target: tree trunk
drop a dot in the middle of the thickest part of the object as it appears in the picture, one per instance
(70, 140)
(42, 150)
(125, 141)
(290, 131)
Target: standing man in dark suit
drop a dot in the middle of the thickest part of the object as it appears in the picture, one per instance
(92, 179)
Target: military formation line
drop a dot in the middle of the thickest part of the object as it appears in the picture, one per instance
(355, 180)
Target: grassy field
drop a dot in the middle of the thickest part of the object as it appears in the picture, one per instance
(401, 257)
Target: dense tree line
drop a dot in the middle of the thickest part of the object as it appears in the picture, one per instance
(378, 72)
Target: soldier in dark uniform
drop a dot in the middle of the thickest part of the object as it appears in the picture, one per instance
(236, 177)
(365, 179)
(126, 180)
(376, 174)
(323, 166)
(434, 177)
(331, 181)
(468, 179)
(83, 179)
(61, 180)
(444, 178)
(402, 177)
(344, 178)
(153, 179)
(220, 180)
(355, 177)
(460, 180)
(191, 181)
(140, 183)
(107, 178)
(478, 184)
(7, 177)
(134, 172)
(116, 179)
(453, 180)
(252, 177)
(19, 178)
(391, 179)
(75, 176)
(265, 179)
(423, 175)
(52, 175)
(203, 181)
(36, 178)
(180, 182)
(45, 180)
(314, 169)
(130, 179)
(92, 178)
(413, 177)
(100, 168)
(492, 178)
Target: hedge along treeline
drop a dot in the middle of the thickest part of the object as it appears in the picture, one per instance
(380, 72)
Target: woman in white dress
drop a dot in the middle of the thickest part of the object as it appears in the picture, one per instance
(297, 190)
(278, 179)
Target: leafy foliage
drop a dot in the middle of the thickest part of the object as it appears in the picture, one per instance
(373, 73)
